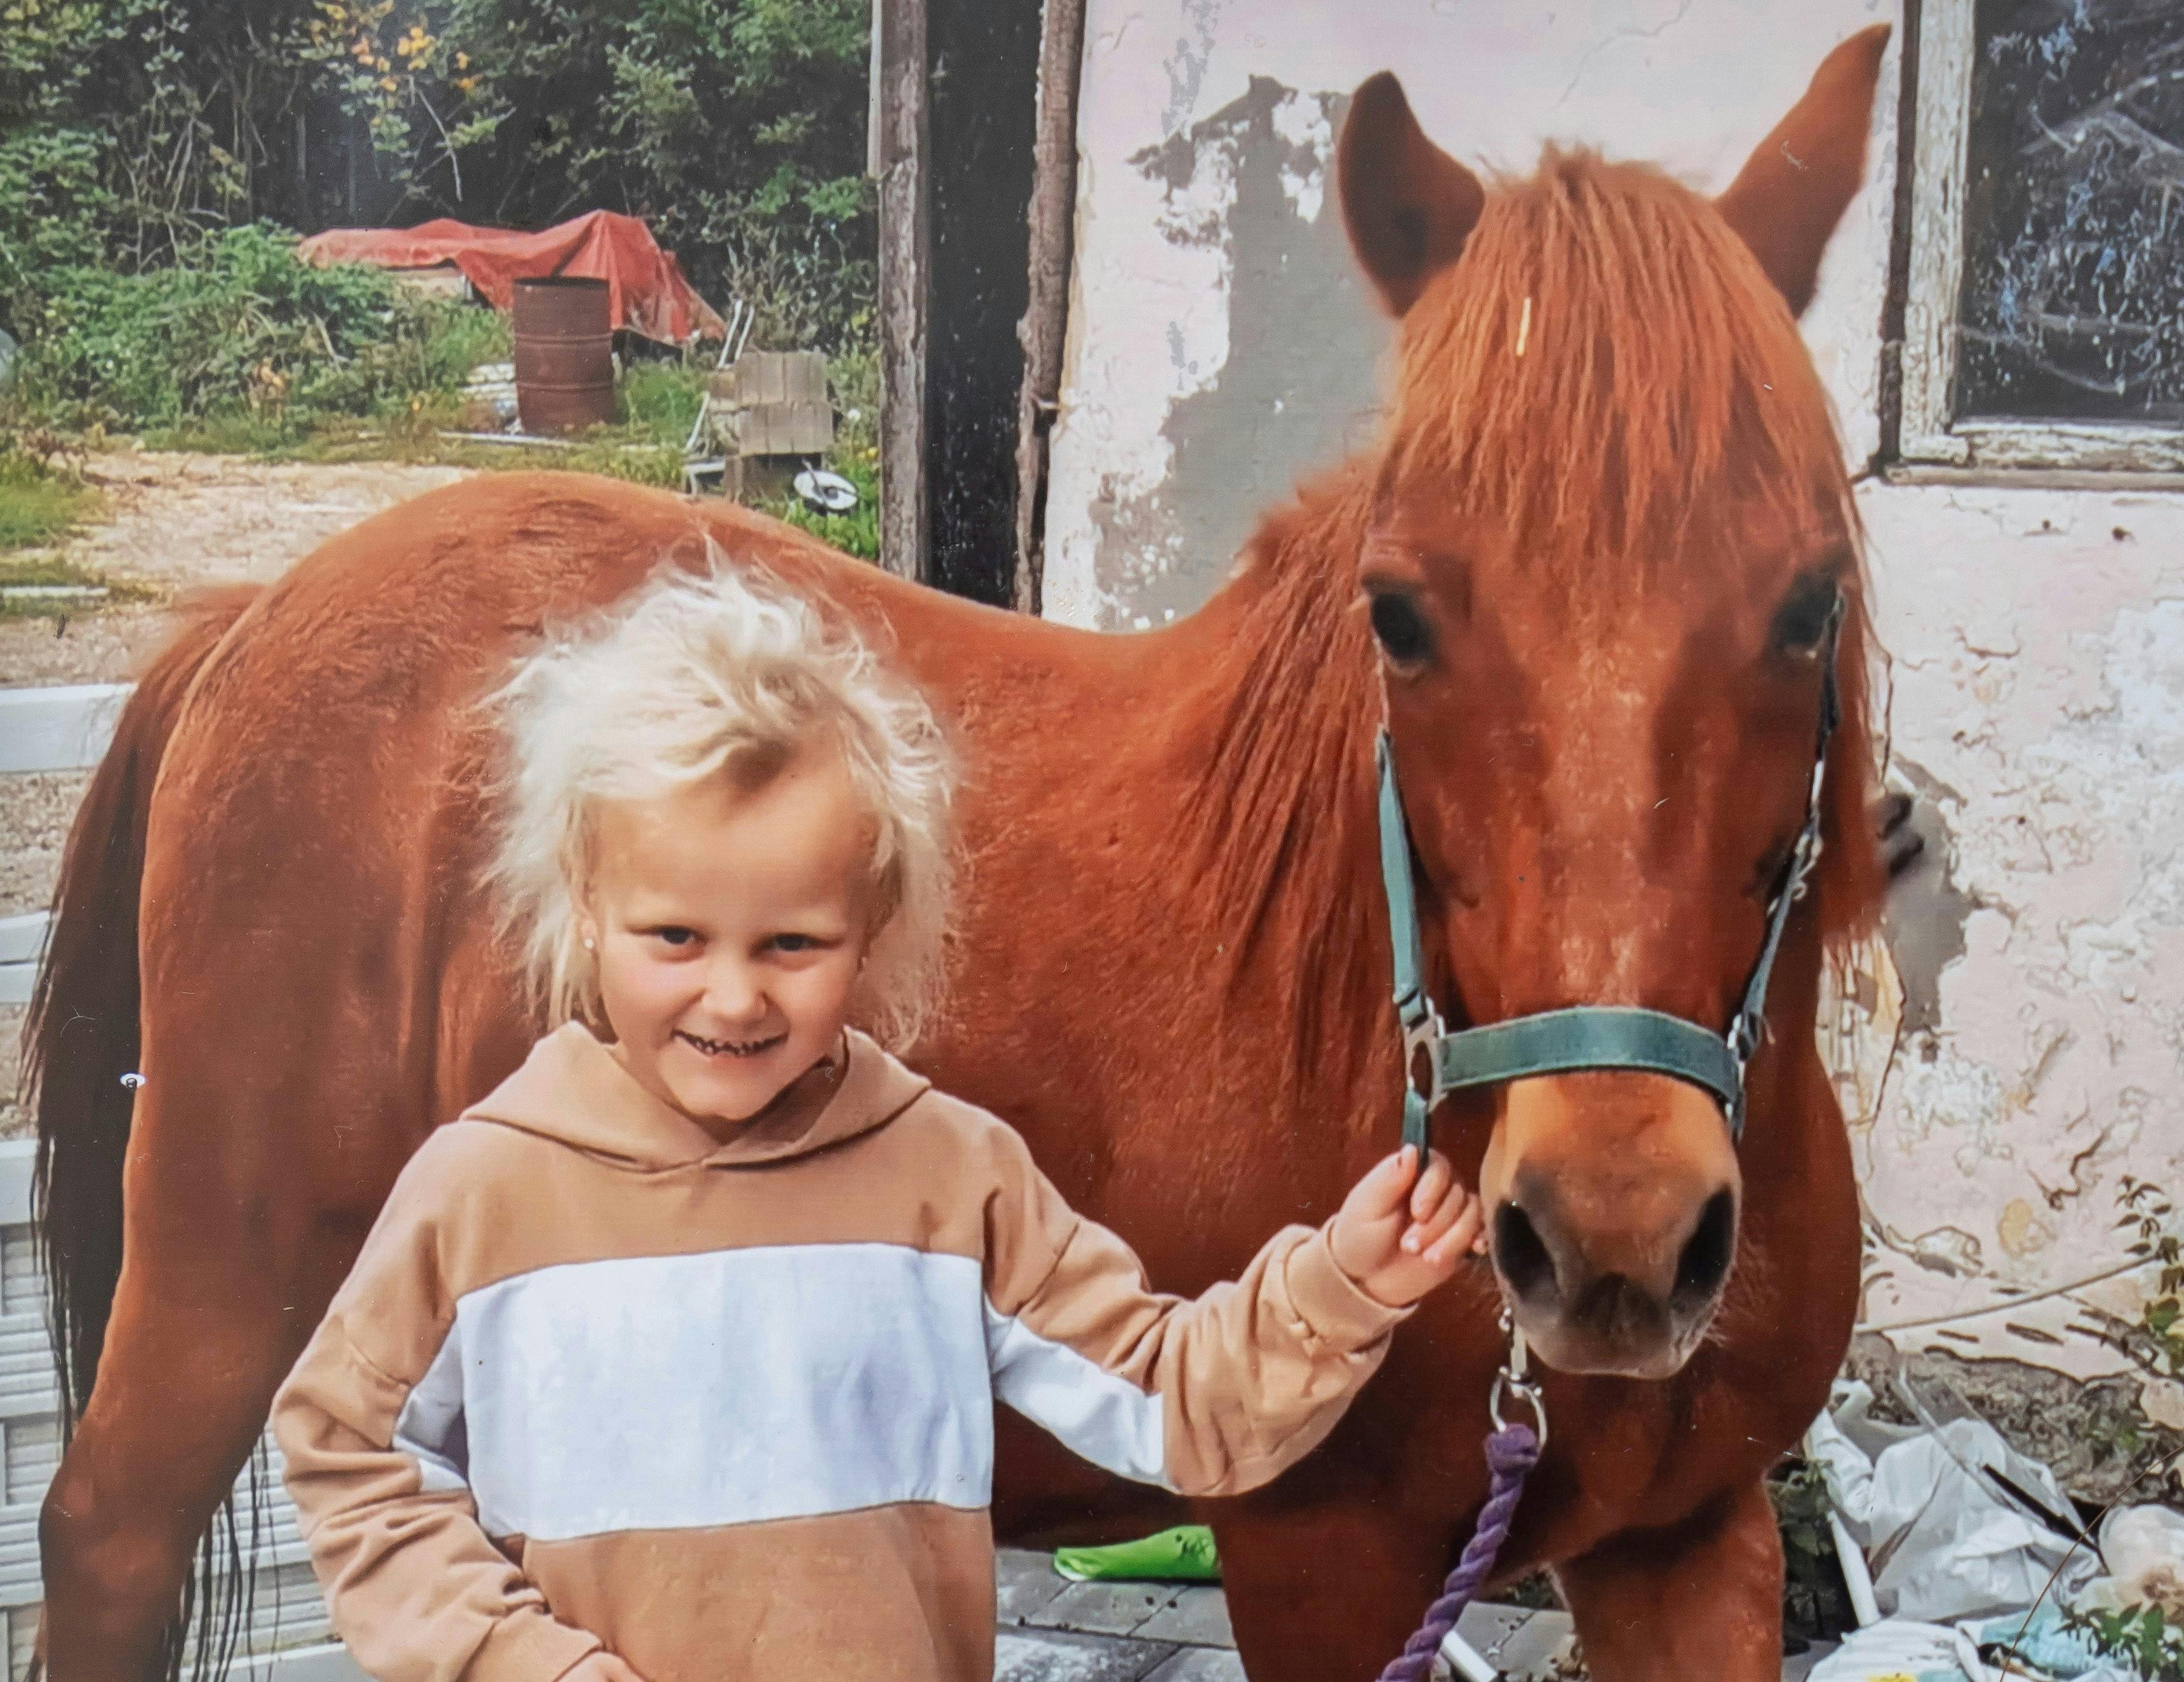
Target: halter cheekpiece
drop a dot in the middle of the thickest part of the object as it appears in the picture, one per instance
(1588, 1036)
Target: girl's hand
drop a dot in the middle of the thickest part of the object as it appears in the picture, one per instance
(600, 1666)
(1401, 1233)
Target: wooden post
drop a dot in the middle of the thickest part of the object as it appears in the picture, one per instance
(1044, 330)
(905, 219)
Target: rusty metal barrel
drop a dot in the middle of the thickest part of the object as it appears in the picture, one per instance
(563, 354)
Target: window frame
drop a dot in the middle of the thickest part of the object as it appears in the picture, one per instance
(1929, 432)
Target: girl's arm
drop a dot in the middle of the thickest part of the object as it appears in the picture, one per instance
(1218, 1395)
(370, 1428)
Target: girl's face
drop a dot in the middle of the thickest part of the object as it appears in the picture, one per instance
(729, 929)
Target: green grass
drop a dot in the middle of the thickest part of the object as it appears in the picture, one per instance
(46, 570)
(660, 400)
(856, 533)
(633, 450)
(40, 505)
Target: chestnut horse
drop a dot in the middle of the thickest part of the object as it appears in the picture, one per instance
(1598, 545)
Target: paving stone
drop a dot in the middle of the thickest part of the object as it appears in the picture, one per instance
(1145, 1632)
(1198, 1617)
(1059, 1655)
(1024, 1583)
(1529, 1648)
(1486, 1626)
(1201, 1664)
(1103, 1608)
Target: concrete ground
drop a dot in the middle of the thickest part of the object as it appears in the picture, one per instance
(1054, 1630)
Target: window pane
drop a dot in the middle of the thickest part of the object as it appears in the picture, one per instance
(2074, 213)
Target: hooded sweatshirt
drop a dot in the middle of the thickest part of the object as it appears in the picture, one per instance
(727, 1409)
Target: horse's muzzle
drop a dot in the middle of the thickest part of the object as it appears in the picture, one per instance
(1613, 1236)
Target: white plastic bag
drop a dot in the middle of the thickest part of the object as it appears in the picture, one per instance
(1900, 1647)
(1942, 1542)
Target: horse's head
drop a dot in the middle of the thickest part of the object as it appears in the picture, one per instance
(1613, 546)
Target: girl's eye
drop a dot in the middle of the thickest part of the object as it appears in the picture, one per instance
(795, 943)
(675, 937)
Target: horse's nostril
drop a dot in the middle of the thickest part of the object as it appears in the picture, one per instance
(1708, 1252)
(1520, 1253)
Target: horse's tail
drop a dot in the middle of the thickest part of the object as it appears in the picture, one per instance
(82, 1035)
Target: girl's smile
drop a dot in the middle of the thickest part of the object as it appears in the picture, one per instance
(730, 924)
(730, 1048)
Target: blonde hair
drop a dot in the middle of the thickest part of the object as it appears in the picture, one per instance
(705, 675)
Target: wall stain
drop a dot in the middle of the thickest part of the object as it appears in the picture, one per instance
(1924, 921)
(1301, 377)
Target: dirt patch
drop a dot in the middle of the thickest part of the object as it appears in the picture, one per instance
(15, 1119)
(180, 522)
(34, 825)
(184, 520)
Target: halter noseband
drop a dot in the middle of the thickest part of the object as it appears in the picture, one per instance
(1588, 1036)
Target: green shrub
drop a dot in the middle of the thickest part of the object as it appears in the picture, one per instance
(2143, 1636)
(661, 400)
(128, 128)
(239, 328)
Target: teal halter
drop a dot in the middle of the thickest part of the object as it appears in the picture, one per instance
(1586, 1036)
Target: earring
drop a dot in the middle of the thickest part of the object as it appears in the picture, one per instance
(589, 943)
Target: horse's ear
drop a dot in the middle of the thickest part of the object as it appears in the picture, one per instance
(1408, 204)
(1793, 191)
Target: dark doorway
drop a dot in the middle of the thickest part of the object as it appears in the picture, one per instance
(982, 93)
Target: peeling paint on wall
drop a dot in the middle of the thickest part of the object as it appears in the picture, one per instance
(1245, 186)
(2038, 640)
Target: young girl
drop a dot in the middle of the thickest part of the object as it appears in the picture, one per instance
(675, 1358)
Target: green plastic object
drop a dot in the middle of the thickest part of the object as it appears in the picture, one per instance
(1183, 1555)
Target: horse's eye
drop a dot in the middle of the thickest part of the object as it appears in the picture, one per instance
(1803, 617)
(1401, 629)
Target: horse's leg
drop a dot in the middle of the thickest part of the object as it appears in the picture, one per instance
(223, 1280)
(1324, 1593)
(178, 1407)
(1704, 1599)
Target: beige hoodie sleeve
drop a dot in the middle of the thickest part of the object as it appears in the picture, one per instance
(1209, 1397)
(369, 1428)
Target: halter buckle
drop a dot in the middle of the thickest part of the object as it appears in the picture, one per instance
(1425, 1035)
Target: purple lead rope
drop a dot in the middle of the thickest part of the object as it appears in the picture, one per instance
(1511, 1452)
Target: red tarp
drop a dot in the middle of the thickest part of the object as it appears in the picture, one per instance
(645, 288)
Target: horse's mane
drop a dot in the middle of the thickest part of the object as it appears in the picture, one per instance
(1607, 374)
(1292, 738)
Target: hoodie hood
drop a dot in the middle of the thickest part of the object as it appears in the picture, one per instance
(573, 1090)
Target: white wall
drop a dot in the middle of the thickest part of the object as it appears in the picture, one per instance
(1219, 346)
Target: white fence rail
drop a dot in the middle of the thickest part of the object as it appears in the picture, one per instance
(47, 730)
(69, 730)
(22, 943)
(58, 730)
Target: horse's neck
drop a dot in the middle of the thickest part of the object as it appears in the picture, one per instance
(1273, 855)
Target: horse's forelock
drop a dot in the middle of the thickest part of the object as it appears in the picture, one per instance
(1606, 370)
